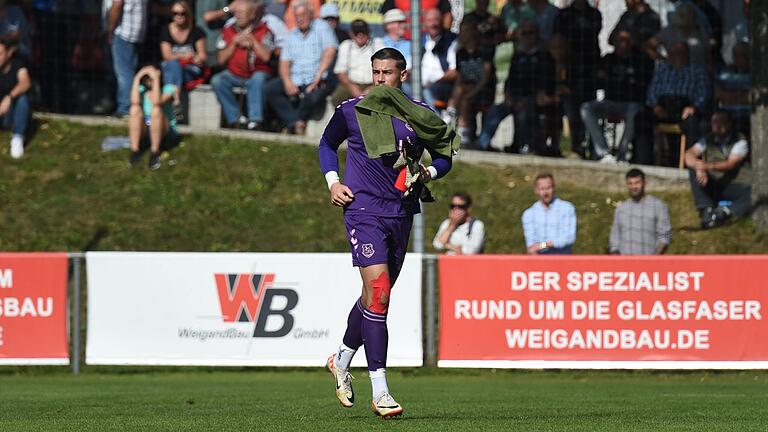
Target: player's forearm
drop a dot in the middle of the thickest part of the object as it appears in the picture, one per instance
(325, 62)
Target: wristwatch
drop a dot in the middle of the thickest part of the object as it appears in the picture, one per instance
(225, 9)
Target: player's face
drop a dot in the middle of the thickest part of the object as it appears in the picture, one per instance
(636, 186)
(386, 73)
(545, 189)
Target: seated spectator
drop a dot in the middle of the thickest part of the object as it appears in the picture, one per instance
(681, 29)
(302, 85)
(460, 234)
(530, 80)
(14, 26)
(438, 63)
(476, 80)
(289, 16)
(245, 47)
(678, 94)
(514, 13)
(443, 6)
(394, 37)
(625, 74)
(151, 114)
(491, 29)
(353, 63)
(640, 21)
(182, 45)
(545, 17)
(732, 88)
(329, 12)
(580, 25)
(641, 224)
(14, 102)
(211, 16)
(549, 224)
(720, 173)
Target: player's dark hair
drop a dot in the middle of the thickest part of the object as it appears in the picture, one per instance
(634, 173)
(390, 54)
(464, 197)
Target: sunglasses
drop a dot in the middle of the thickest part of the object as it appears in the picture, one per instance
(459, 206)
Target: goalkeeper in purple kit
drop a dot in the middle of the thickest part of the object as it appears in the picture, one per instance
(384, 179)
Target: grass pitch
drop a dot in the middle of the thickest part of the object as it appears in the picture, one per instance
(273, 400)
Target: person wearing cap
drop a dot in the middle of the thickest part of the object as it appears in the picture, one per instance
(353, 64)
(394, 37)
(329, 12)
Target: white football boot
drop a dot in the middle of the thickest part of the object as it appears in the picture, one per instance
(343, 381)
(386, 406)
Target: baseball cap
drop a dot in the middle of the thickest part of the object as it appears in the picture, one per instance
(329, 10)
(394, 15)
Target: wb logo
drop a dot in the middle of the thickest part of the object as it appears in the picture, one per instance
(251, 298)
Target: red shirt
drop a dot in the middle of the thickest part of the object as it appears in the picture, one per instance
(245, 62)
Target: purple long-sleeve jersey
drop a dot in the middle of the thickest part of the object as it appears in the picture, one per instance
(372, 181)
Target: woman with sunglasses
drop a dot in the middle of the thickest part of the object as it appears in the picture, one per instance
(182, 45)
(460, 234)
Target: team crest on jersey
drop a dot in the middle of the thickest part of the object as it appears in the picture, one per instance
(368, 250)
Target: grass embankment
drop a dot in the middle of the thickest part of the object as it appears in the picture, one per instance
(220, 194)
(442, 401)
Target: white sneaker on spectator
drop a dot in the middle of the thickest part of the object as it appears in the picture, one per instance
(17, 146)
(608, 159)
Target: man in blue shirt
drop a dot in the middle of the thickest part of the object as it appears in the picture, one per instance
(379, 206)
(302, 84)
(549, 225)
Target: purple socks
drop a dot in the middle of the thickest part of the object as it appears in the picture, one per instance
(376, 339)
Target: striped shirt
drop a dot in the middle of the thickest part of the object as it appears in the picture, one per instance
(556, 222)
(305, 50)
(639, 227)
(688, 81)
(133, 23)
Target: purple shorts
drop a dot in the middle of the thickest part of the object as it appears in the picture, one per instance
(378, 240)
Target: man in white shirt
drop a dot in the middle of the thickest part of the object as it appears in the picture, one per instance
(460, 234)
(353, 63)
(438, 64)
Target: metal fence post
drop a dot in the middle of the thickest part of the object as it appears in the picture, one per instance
(76, 276)
(431, 312)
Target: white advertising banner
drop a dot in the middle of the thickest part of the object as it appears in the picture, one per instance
(236, 309)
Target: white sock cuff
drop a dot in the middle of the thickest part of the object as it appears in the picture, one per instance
(378, 373)
(343, 347)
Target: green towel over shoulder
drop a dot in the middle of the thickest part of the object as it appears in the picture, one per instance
(374, 115)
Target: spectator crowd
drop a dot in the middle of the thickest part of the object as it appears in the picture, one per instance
(273, 64)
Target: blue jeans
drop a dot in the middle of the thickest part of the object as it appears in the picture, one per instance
(523, 128)
(125, 58)
(176, 74)
(298, 108)
(223, 83)
(626, 111)
(18, 115)
(439, 91)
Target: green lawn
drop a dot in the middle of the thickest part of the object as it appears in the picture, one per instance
(220, 194)
(433, 401)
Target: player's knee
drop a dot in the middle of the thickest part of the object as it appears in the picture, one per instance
(380, 288)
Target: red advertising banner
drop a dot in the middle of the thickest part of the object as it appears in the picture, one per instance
(604, 311)
(33, 308)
